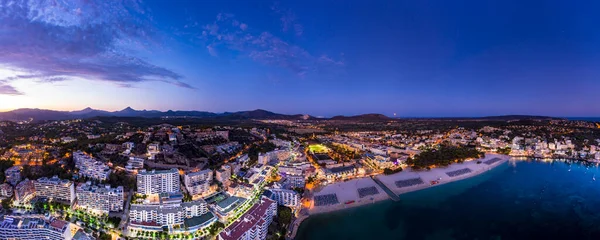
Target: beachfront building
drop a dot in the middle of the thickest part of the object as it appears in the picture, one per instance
(16, 227)
(284, 197)
(339, 172)
(134, 163)
(24, 192)
(253, 224)
(99, 199)
(89, 167)
(13, 175)
(198, 183)
(153, 182)
(54, 188)
(170, 212)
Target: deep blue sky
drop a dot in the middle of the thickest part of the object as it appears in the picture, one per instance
(413, 58)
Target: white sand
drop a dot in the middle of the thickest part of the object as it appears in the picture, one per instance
(439, 174)
(348, 191)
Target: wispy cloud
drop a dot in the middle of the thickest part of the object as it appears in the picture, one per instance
(59, 40)
(288, 19)
(228, 33)
(8, 90)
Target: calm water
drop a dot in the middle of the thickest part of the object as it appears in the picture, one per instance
(518, 200)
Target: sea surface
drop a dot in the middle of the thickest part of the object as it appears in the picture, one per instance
(589, 119)
(517, 200)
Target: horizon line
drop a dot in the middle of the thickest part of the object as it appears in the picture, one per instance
(334, 115)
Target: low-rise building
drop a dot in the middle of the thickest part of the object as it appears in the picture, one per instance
(6, 191)
(134, 163)
(24, 191)
(243, 190)
(13, 175)
(224, 174)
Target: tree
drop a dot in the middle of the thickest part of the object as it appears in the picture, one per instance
(6, 203)
(284, 215)
(215, 228)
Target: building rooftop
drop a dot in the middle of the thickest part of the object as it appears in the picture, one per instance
(172, 170)
(253, 217)
(200, 220)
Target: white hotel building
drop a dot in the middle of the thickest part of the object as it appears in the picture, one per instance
(153, 182)
(285, 197)
(99, 199)
(13, 227)
(198, 183)
(169, 212)
(89, 167)
(55, 188)
(254, 224)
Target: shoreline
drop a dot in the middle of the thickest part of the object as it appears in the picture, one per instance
(437, 174)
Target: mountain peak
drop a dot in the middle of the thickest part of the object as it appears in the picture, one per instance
(127, 109)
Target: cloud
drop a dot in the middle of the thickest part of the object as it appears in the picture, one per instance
(8, 90)
(261, 46)
(212, 51)
(288, 20)
(59, 40)
(243, 26)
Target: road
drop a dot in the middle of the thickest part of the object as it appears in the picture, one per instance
(124, 217)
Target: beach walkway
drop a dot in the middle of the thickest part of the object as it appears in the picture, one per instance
(389, 192)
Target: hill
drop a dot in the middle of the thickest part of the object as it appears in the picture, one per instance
(363, 117)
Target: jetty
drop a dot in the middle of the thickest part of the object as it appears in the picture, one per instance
(389, 192)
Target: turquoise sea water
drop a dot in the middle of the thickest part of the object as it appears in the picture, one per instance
(517, 200)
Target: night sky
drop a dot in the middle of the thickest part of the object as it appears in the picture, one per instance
(325, 58)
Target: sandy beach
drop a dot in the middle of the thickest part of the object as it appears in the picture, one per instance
(439, 174)
(348, 191)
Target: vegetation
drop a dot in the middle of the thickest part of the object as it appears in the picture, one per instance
(443, 156)
(299, 190)
(388, 171)
(504, 151)
(279, 226)
(114, 221)
(216, 228)
(5, 164)
(63, 171)
(6, 203)
(255, 149)
(121, 178)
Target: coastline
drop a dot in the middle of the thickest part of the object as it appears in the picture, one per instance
(437, 174)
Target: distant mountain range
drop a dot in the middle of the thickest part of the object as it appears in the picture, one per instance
(364, 117)
(45, 115)
(25, 114)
